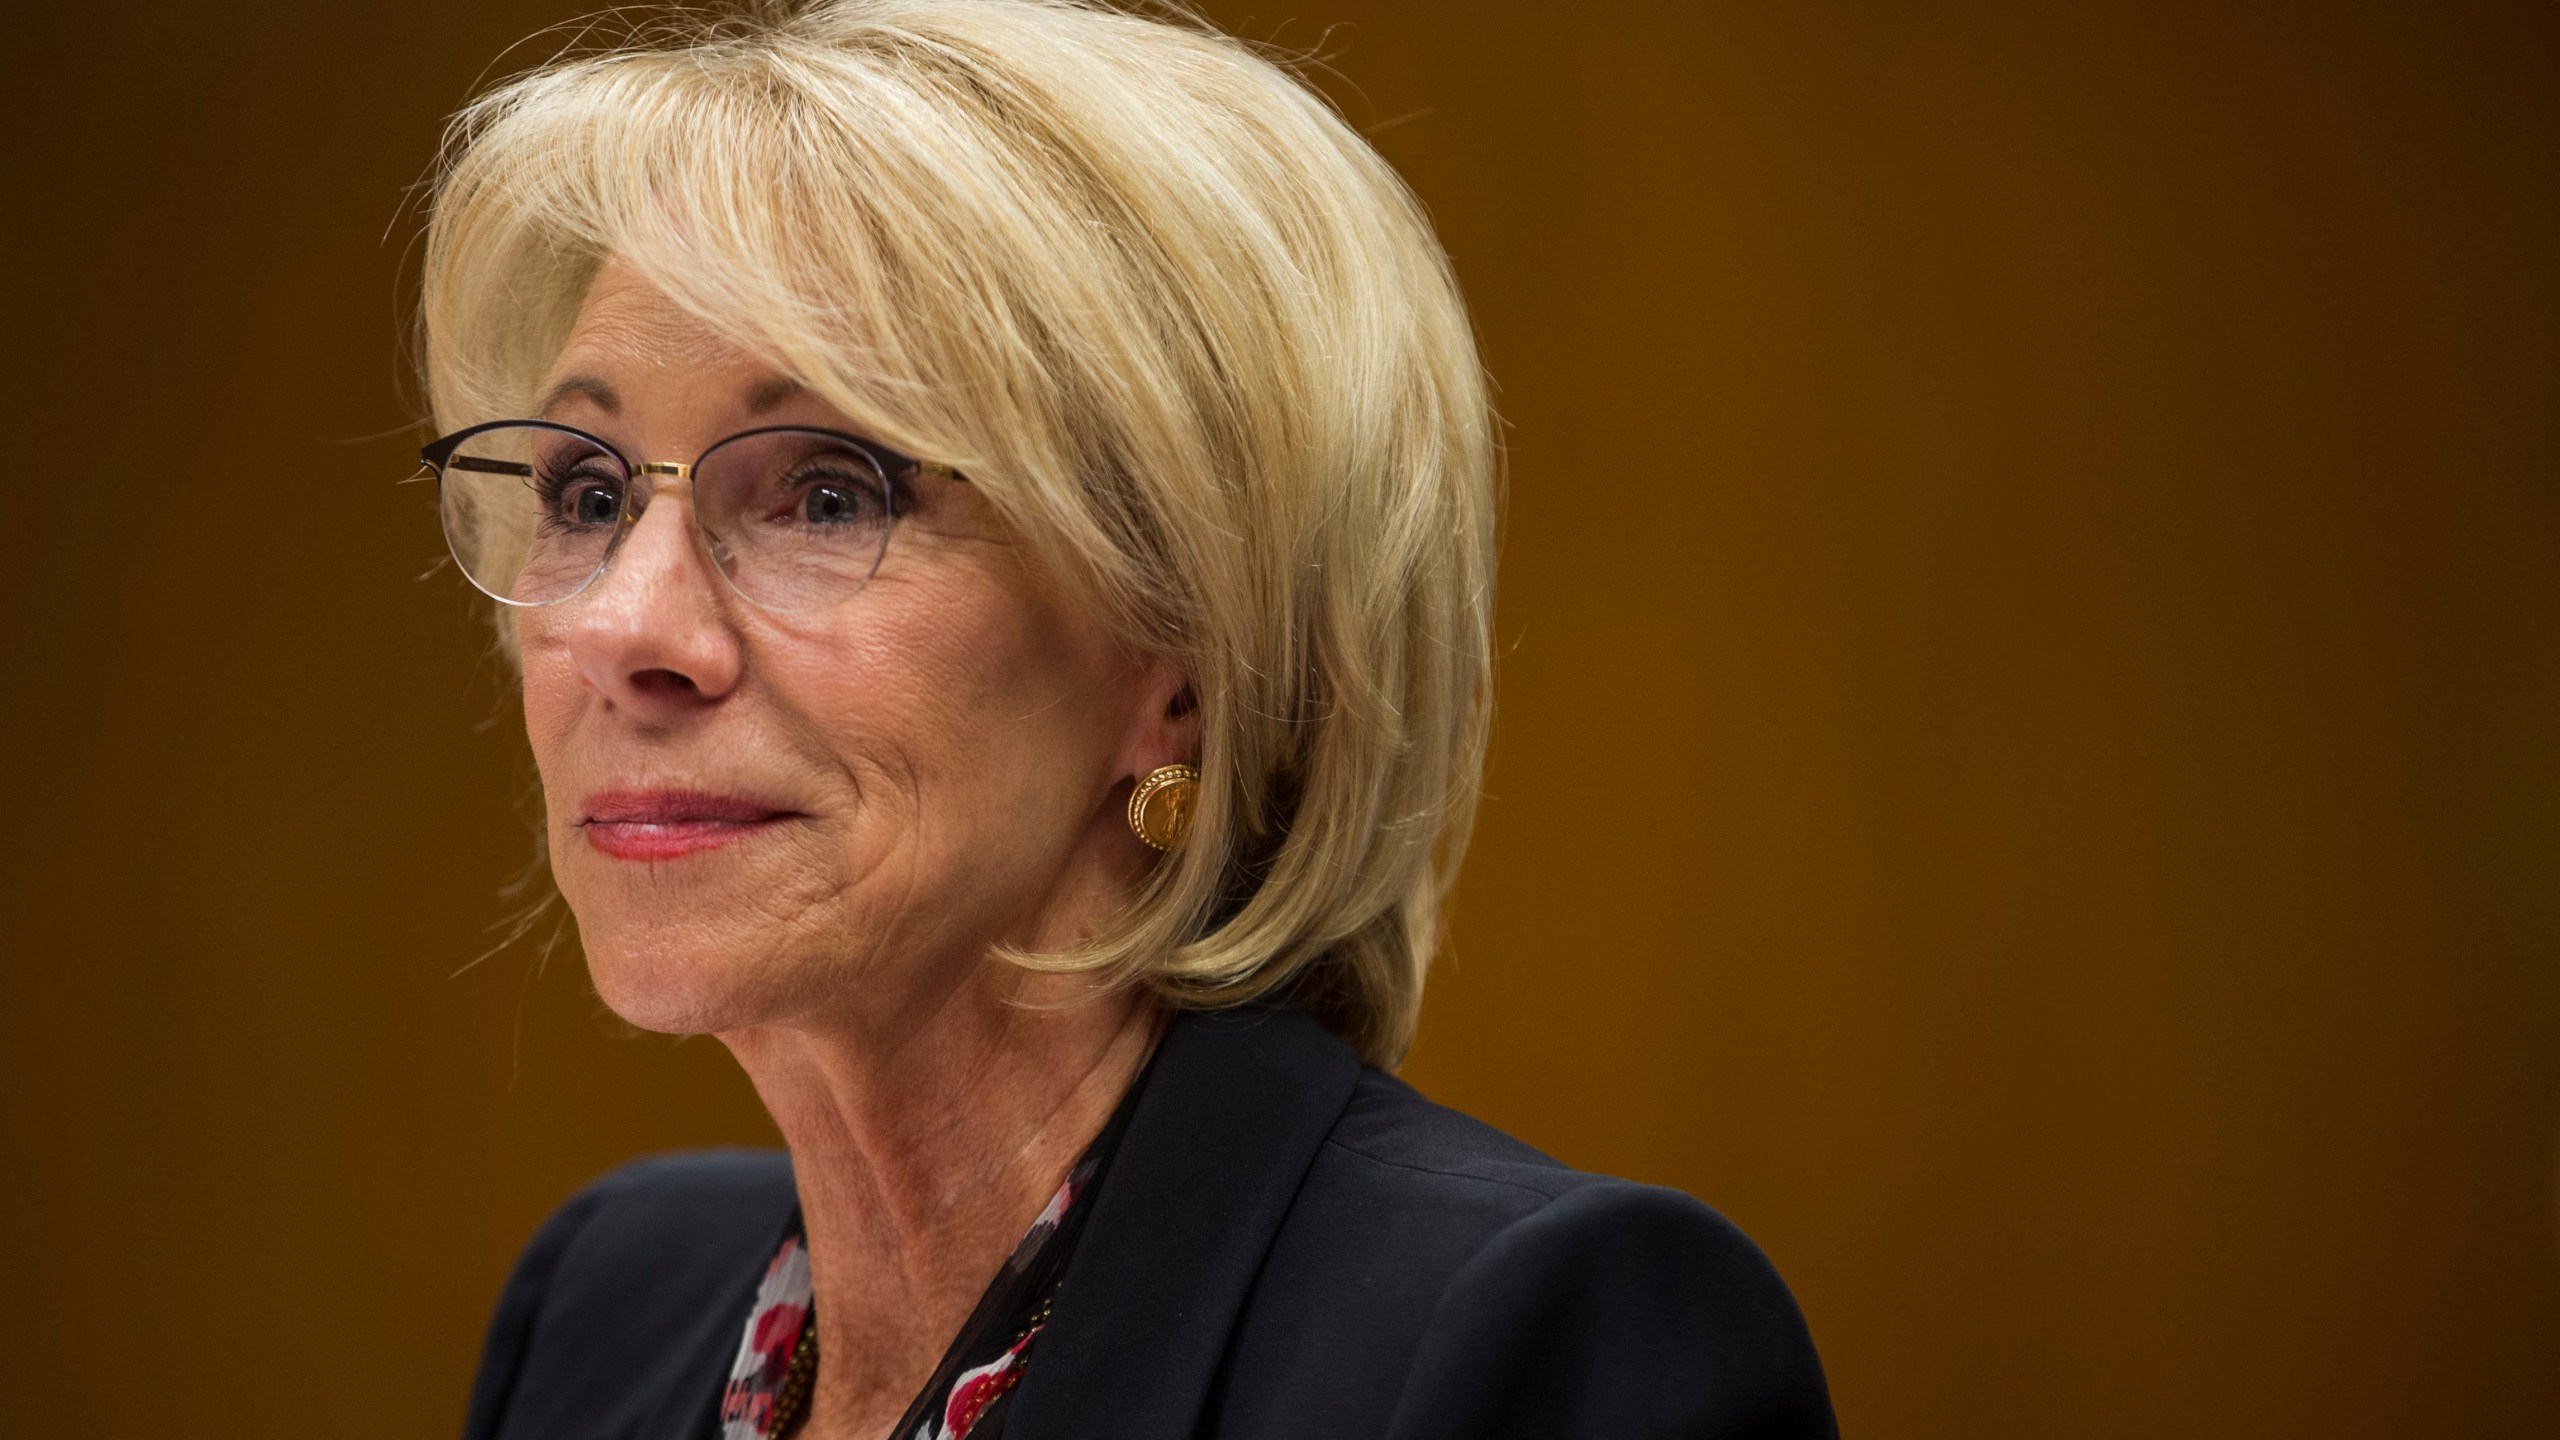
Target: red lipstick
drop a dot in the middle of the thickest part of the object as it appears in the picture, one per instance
(650, 825)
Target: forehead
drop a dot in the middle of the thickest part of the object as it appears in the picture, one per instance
(630, 325)
(632, 345)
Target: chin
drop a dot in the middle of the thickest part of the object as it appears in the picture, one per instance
(682, 986)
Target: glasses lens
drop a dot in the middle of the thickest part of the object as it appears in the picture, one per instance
(530, 511)
(797, 519)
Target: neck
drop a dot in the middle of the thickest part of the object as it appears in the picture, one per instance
(923, 1148)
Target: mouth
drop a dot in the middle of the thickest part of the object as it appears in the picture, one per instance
(655, 825)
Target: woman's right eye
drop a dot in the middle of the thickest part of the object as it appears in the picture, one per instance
(583, 496)
(595, 505)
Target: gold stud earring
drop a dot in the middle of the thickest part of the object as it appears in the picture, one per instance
(1160, 808)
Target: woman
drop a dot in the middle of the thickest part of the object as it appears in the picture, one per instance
(992, 502)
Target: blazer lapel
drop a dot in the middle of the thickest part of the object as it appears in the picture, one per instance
(696, 1375)
(1232, 1112)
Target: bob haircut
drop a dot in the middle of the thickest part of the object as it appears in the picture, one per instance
(1190, 335)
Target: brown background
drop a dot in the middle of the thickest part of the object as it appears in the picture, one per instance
(2029, 769)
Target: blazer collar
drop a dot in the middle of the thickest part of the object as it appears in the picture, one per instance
(691, 1386)
(1233, 1110)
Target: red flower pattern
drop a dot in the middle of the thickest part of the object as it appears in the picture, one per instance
(784, 1308)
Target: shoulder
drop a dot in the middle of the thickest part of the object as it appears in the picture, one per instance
(1623, 1309)
(1409, 1162)
(1474, 1286)
(1390, 1124)
(630, 1273)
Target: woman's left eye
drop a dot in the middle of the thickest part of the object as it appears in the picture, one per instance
(829, 503)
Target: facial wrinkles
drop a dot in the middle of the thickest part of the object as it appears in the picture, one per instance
(879, 691)
(944, 730)
(626, 332)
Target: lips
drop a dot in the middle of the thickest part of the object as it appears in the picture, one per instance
(651, 825)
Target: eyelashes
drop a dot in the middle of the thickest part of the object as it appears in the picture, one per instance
(555, 483)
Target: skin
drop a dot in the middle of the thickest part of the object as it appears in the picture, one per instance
(944, 756)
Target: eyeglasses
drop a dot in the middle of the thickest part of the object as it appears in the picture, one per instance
(796, 518)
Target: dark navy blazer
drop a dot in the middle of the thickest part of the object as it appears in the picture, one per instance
(1287, 1246)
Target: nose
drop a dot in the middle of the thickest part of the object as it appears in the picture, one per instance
(654, 635)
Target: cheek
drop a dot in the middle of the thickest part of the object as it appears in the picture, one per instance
(984, 714)
(981, 669)
(553, 694)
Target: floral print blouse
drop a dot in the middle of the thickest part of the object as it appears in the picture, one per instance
(770, 1382)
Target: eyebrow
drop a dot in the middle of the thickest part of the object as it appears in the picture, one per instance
(587, 385)
(771, 393)
(760, 399)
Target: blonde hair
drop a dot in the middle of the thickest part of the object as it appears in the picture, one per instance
(1188, 332)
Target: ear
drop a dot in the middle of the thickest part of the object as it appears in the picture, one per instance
(1164, 726)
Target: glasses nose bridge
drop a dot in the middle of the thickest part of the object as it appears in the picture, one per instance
(643, 498)
(645, 476)
(643, 492)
